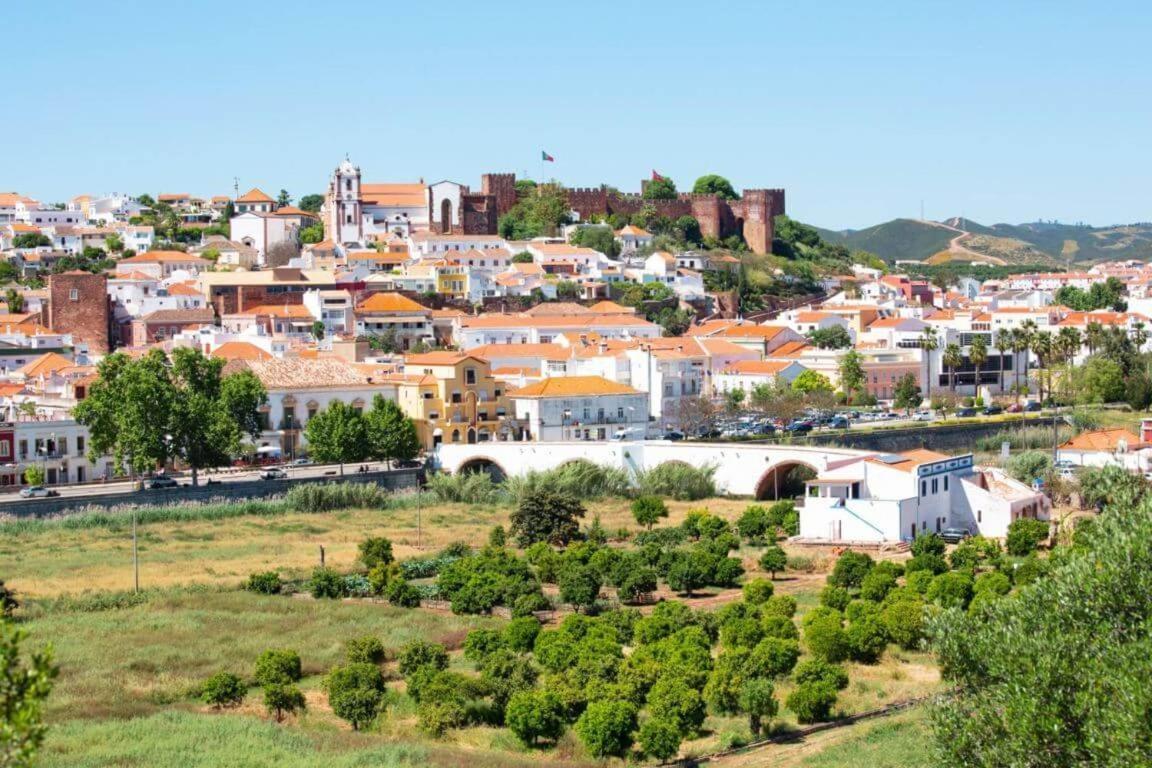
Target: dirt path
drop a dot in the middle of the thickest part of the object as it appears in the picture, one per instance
(956, 246)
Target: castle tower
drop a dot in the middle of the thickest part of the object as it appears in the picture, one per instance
(344, 206)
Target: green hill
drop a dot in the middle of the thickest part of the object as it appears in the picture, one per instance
(1032, 243)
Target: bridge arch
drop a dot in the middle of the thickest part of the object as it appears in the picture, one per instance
(784, 480)
(483, 464)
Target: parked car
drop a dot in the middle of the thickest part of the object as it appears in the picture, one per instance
(993, 410)
(302, 461)
(1014, 408)
(159, 482)
(1031, 407)
(798, 428)
(674, 435)
(37, 492)
(965, 413)
(839, 422)
(274, 473)
(955, 535)
(922, 416)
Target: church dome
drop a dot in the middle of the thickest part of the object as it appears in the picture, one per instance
(347, 169)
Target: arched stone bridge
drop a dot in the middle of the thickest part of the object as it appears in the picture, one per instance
(741, 469)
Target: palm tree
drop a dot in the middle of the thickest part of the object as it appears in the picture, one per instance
(1042, 348)
(1022, 342)
(1094, 336)
(952, 361)
(929, 342)
(978, 354)
(1071, 341)
(1003, 345)
(1139, 335)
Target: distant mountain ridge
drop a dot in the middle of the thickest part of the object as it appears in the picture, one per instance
(959, 239)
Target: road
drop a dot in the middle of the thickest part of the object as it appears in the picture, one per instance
(230, 475)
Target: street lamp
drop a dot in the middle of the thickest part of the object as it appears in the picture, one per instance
(564, 423)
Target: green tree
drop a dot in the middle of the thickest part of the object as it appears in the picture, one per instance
(25, 682)
(277, 665)
(852, 377)
(15, 301)
(953, 359)
(850, 569)
(812, 702)
(690, 571)
(907, 393)
(223, 689)
(773, 560)
(311, 203)
(312, 234)
(283, 199)
(648, 510)
(824, 635)
(541, 211)
(546, 516)
(660, 189)
(833, 337)
(374, 551)
(535, 714)
(337, 434)
(1025, 535)
(659, 739)
(364, 650)
(420, 654)
(356, 693)
(810, 382)
(579, 584)
(391, 434)
(978, 354)
(712, 184)
(31, 240)
(598, 238)
(523, 258)
(34, 474)
(673, 700)
(1100, 380)
(605, 729)
(758, 701)
(281, 700)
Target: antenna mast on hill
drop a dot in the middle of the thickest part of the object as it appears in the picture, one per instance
(236, 186)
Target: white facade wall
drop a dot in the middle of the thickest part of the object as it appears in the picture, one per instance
(592, 417)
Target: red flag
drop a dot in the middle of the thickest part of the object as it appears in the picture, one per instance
(546, 158)
(656, 176)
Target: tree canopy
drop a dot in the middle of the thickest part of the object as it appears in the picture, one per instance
(712, 184)
(338, 435)
(539, 212)
(660, 189)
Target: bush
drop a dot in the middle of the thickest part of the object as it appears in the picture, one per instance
(927, 543)
(835, 597)
(605, 729)
(223, 689)
(468, 488)
(773, 560)
(265, 583)
(757, 591)
(824, 636)
(783, 515)
(579, 479)
(672, 700)
(779, 605)
(677, 480)
(1025, 535)
(520, 634)
(648, 510)
(543, 516)
(281, 699)
(327, 497)
(402, 594)
(812, 702)
(357, 585)
(1030, 465)
(877, 584)
(995, 582)
(422, 654)
(364, 650)
(277, 667)
(779, 626)
(375, 551)
(951, 590)
(919, 581)
(867, 639)
(326, 582)
(821, 672)
(850, 569)
(930, 562)
(659, 739)
(356, 693)
(773, 657)
(755, 524)
(973, 552)
(904, 622)
(1029, 570)
(535, 714)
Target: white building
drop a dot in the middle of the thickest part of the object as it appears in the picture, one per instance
(580, 408)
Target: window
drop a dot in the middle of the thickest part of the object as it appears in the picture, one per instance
(74, 294)
(923, 487)
(979, 515)
(620, 412)
(945, 482)
(5, 449)
(469, 375)
(935, 485)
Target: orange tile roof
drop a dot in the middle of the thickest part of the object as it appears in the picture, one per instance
(758, 367)
(254, 195)
(45, 364)
(812, 317)
(1105, 440)
(389, 302)
(240, 350)
(555, 321)
(291, 210)
(403, 195)
(548, 351)
(610, 308)
(911, 459)
(279, 310)
(628, 229)
(729, 329)
(791, 349)
(153, 257)
(442, 357)
(574, 386)
(182, 289)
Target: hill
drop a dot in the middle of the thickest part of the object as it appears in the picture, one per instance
(960, 239)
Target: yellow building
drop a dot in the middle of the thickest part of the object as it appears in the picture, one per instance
(451, 279)
(453, 398)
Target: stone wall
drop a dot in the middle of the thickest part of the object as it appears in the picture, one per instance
(78, 304)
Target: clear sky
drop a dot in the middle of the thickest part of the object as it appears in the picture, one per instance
(999, 111)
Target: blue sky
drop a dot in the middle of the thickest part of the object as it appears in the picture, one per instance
(996, 111)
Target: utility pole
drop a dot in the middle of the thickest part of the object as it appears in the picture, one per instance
(135, 556)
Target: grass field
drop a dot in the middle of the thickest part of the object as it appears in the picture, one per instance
(126, 695)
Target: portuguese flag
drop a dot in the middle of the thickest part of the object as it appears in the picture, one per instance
(546, 158)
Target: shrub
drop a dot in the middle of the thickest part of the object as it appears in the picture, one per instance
(904, 622)
(932, 563)
(326, 582)
(812, 702)
(973, 552)
(648, 510)
(951, 590)
(402, 594)
(850, 569)
(819, 671)
(579, 479)
(994, 582)
(773, 657)
(1025, 535)
(835, 597)
(773, 560)
(779, 626)
(637, 583)
(919, 581)
(801, 563)
(535, 714)
(356, 693)
(758, 701)
(755, 524)
(281, 699)
(867, 639)
(927, 543)
(8, 601)
(420, 654)
(468, 488)
(824, 636)
(364, 650)
(327, 497)
(671, 699)
(1029, 570)
(877, 584)
(265, 583)
(277, 666)
(519, 634)
(783, 514)
(757, 591)
(543, 516)
(357, 585)
(779, 605)
(677, 480)
(1030, 465)
(375, 551)
(605, 729)
(659, 739)
(223, 689)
